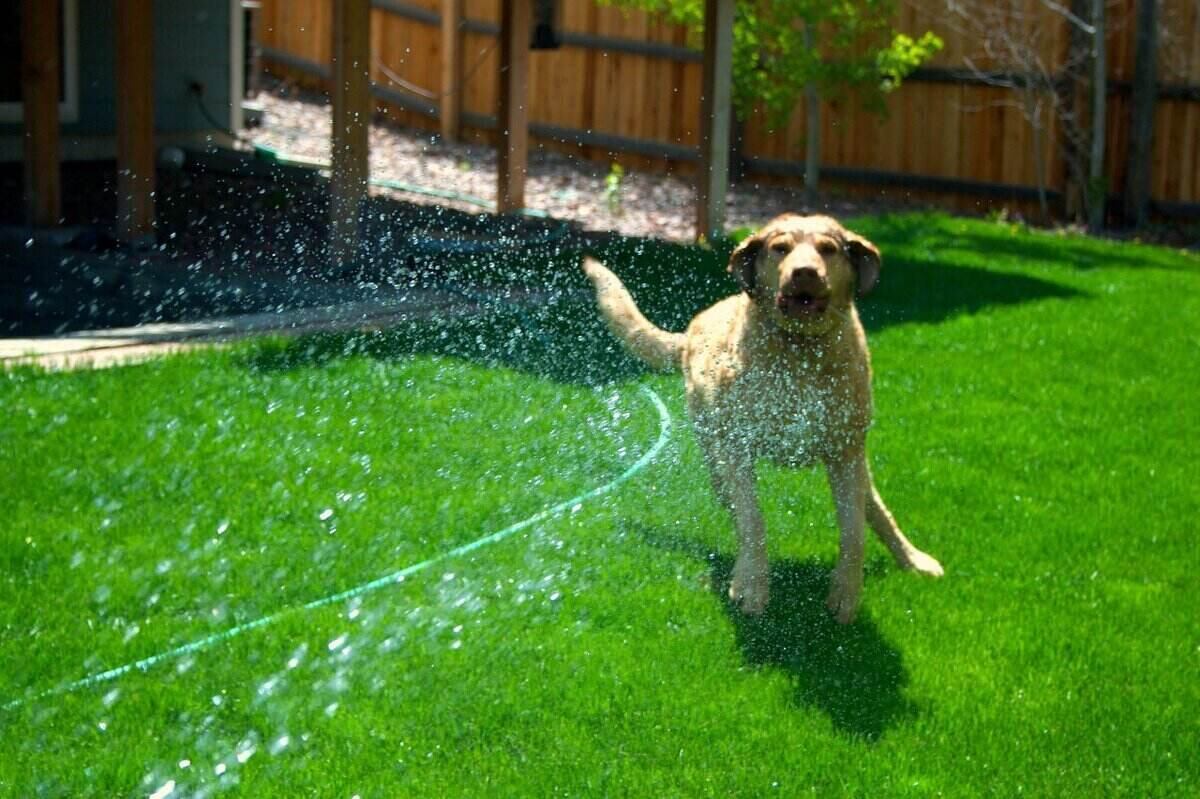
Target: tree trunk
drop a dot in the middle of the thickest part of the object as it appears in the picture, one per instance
(1097, 188)
(812, 132)
(1034, 114)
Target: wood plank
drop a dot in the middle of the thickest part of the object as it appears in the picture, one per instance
(715, 112)
(451, 100)
(512, 114)
(40, 74)
(940, 129)
(135, 119)
(352, 109)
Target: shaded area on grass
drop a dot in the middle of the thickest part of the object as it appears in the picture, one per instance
(560, 336)
(851, 673)
(1011, 241)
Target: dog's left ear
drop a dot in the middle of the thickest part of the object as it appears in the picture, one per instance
(865, 258)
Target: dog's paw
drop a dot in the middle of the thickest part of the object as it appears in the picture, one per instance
(921, 563)
(845, 593)
(749, 588)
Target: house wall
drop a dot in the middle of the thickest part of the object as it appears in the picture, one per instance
(192, 42)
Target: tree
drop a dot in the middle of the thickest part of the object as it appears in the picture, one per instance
(785, 50)
(1048, 87)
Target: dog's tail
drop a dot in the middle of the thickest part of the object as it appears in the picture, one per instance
(657, 347)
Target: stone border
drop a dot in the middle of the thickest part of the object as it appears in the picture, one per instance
(128, 345)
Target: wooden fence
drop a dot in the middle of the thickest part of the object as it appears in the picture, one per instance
(626, 87)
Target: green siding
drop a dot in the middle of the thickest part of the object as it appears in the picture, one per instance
(191, 42)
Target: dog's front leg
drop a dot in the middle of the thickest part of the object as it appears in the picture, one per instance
(733, 481)
(849, 481)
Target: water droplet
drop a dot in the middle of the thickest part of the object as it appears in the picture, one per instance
(245, 751)
(164, 791)
(337, 643)
(297, 656)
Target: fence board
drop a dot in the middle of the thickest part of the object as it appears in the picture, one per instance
(934, 127)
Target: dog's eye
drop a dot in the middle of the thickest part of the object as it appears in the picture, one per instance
(781, 246)
(827, 247)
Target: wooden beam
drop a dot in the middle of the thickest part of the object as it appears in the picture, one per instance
(716, 111)
(513, 113)
(135, 120)
(352, 110)
(1141, 119)
(452, 69)
(40, 75)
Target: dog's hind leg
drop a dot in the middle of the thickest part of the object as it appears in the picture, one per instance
(884, 524)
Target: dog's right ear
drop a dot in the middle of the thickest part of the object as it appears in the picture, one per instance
(743, 264)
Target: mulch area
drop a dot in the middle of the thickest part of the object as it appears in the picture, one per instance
(647, 204)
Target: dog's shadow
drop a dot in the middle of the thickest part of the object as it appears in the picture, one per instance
(851, 673)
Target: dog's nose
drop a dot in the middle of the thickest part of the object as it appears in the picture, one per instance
(805, 277)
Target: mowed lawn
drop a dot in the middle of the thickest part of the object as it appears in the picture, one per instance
(1038, 419)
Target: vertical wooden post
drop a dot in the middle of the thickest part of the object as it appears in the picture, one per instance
(513, 115)
(135, 120)
(40, 74)
(352, 107)
(452, 68)
(1141, 124)
(1097, 191)
(715, 112)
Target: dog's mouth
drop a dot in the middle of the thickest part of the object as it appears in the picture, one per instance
(801, 304)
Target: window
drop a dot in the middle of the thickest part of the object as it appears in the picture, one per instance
(11, 109)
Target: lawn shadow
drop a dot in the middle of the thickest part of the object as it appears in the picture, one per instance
(915, 290)
(561, 337)
(851, 673)
(1016, 242)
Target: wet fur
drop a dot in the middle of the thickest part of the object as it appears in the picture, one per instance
(780, 371)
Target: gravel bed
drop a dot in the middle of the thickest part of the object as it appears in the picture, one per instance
(650, 204)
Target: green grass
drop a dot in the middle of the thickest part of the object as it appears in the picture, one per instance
(1036, 430)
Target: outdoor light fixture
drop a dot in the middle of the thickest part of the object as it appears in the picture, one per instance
(545, 34)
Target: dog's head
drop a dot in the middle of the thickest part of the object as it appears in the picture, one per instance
(805, 270)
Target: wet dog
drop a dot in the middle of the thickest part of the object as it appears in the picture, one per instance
(780, 371)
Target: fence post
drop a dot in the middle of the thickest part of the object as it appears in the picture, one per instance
(352, 106)
(715, 111)
(512, 117)
(452, 69)
(1141, 123)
